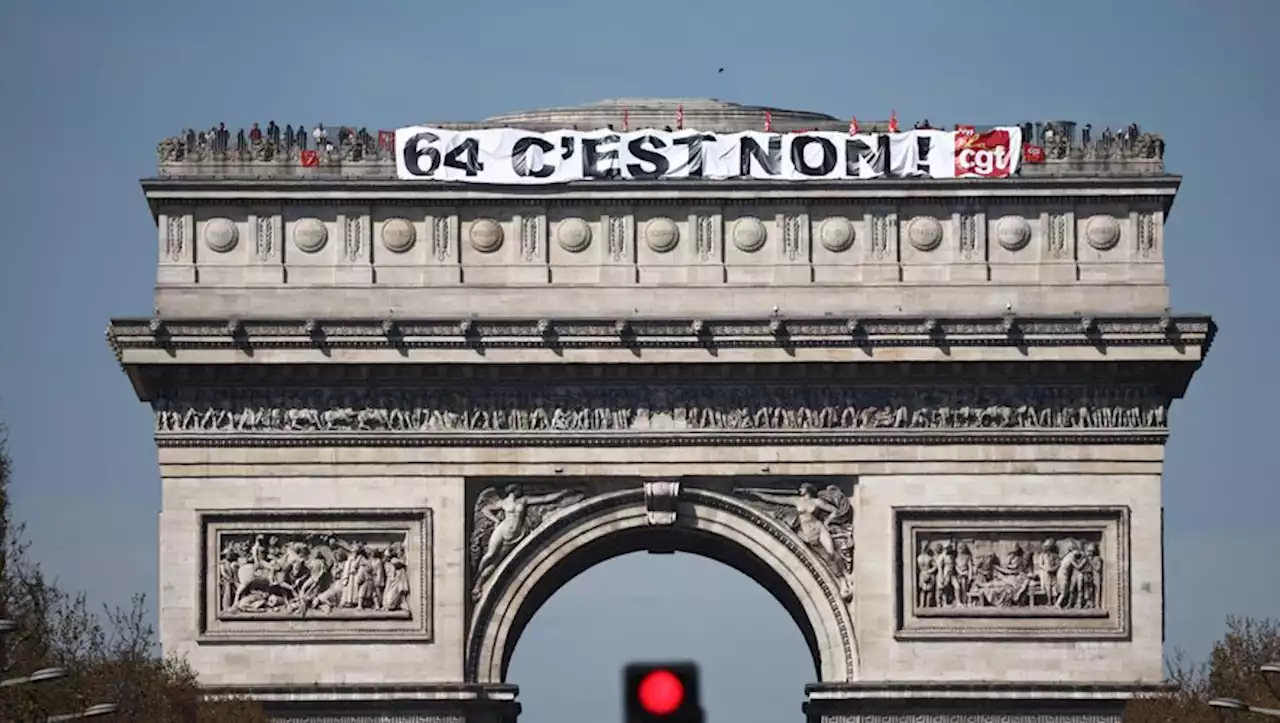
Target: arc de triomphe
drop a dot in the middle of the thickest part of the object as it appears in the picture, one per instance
(927, 415)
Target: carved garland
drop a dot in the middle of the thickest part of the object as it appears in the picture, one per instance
(482, 617)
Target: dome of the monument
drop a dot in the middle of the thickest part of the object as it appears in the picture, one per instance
(706, 114)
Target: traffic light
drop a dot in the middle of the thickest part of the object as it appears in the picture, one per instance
(661, 693)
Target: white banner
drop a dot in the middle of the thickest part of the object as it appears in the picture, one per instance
(506, 156)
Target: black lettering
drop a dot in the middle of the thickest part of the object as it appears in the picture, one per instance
(697, 154)
(857, 150)
(522, 164)
(413, 154)
(750, 149)
(924, 144)
(568, 147)
(802, 165)
(640, 149)
(592, 157)
(465, 157)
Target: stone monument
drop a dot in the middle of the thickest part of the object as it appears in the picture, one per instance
(928, 416)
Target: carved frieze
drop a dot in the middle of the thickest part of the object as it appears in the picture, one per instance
(441, 238)
(986, 572)
(635, 408)
(334, 574)
(1146, 235)
(265, 241)
(1057, 236)
(503, 517)
(821, 518)
(617, 238)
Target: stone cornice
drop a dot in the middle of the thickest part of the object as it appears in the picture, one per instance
(479, 334)
(313, 191)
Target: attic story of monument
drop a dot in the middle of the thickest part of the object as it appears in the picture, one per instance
(926, 411)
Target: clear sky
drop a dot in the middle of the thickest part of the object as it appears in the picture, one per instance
(87, 89)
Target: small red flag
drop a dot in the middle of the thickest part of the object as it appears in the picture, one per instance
(387, 139)
(853, 126)
(768, 122)
(680, 117)
(310, 159)
(626, 119)
(893, 121)
(1033, 154)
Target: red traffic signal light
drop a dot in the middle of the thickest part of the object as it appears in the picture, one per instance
(662, 692)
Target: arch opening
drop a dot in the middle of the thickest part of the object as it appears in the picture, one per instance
(708, 524)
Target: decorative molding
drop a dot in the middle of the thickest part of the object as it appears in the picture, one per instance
(1146, 235)
(353, 239)
(1057, 235)
(791, 240)
(881, 231)
(704, 237)
(661, 500)
(265, 241)
(441, 237)
(672, 333)
(995, 573)
(530, 227)
(617, 237)
(273, 576)
(968, 236)
(175, 237)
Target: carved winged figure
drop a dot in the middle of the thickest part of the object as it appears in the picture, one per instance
(823, 521)
(503, 519)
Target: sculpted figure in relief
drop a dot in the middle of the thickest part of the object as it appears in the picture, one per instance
(503, 519)
(572, 409)
(823, 520)
(289, 574)
(1013, 573)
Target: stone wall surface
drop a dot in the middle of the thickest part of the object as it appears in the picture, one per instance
(928, 416)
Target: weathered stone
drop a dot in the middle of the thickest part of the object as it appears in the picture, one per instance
(928, 417)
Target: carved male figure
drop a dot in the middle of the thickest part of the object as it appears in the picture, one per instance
(925, 567)
(1045, 566)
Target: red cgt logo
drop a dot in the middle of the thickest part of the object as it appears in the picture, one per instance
(984, 155)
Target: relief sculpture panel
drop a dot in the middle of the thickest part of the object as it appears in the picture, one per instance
(1011, 573)
(325, 575)
(647, 408)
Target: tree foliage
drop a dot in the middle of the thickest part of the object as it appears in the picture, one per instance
(1231, 672)
(110, 657)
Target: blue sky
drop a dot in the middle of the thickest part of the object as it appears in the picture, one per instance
(88, 88)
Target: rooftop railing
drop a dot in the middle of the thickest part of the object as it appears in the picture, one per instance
(321, 152)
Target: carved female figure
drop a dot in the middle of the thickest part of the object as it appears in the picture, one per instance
(502, 521)
(813, 516)
(1068, 580)
(396, 594)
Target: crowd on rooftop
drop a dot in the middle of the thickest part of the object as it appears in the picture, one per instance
(1057, 137)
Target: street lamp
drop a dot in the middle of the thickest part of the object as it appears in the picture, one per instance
(44, 675)
(1239, 706)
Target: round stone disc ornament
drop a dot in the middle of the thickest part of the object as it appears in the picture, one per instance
(310, 235)
(661, 234)
(749, 234)
(1013, 233)
(221, 234)
(486, 235)
(836, 234)
(1102, 232)
(398, 235)
(574, 235)
(924, 233)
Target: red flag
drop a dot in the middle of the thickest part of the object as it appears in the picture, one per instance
(680, 117)
(310, 159)
(626, 119)
(768, 122)
(1033, 154)
(853, 126)
(387, 140)
(893, 121)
